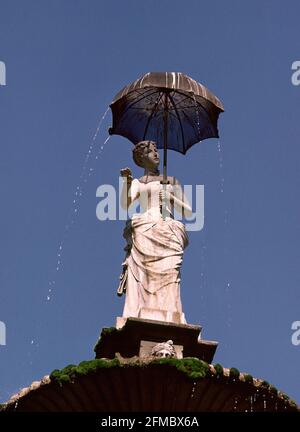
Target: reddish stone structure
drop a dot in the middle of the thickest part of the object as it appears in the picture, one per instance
(127, 377)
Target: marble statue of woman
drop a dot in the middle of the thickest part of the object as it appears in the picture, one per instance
(155, 245)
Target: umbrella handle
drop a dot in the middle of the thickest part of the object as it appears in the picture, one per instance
(163, 206)
(164, 203)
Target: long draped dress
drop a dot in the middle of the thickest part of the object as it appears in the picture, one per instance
(155, 252)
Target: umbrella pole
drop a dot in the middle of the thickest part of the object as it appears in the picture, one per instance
(164, 203)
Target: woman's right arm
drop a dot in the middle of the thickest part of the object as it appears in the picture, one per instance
(130, 189)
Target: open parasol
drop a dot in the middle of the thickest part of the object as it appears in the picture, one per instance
(169, 108)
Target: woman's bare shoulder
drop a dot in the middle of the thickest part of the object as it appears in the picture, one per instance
(148, 179)
(170, 179)
(175, 181)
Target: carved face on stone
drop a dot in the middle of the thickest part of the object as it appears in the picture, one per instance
(145, 155)
(164, 350)
(164, 353)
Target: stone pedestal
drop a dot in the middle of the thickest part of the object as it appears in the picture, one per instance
(136, 337)
(155, 315)
(161, 315)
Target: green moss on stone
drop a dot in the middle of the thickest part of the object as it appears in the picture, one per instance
(70, 372)
(248, 378)
(234, 373)
(65, 378)
(55, 373)
(273, 389)
(106, 331)
(219, 369)
(289, 400)
(194, 368)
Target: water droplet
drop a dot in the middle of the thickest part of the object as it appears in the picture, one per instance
(235, 403)
(251, 404)
(48, 298)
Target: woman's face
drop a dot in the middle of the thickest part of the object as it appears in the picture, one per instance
(151, 157)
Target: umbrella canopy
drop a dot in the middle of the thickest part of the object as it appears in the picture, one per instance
(169, 108)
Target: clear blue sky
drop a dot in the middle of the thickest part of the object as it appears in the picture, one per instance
(65, 61)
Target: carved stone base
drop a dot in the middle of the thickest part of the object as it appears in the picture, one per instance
(132, 335)
(161, 315)
(156, 315)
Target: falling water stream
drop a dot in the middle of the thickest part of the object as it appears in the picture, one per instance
(225, 220)
(86, 171)
(203, 307)
(88, 168)
(220, 155)
(227, 290)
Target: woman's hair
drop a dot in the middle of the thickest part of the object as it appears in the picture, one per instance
(139, 151)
